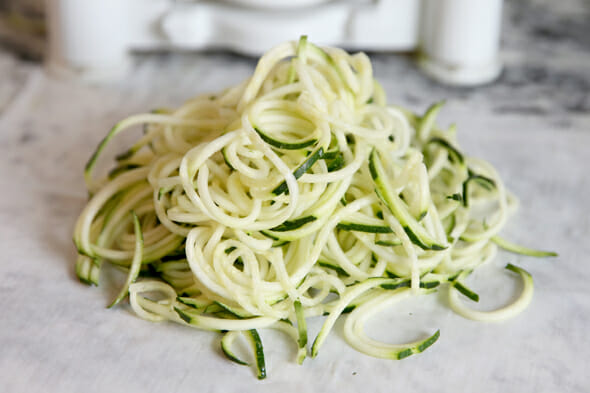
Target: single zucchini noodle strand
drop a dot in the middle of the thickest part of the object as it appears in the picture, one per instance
(296, 194)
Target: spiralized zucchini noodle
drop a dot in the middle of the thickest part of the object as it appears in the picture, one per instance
(298, 193)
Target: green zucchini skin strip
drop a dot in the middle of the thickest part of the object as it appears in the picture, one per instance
(454, 154)
(420, 347)
(293, 224)
(413, 229)
(285, 145)
(466, 291)
(353, 226)
(256, 345)
(233, 311)
(88, 169)
(302, 331)
(457, 284)
(335, 163)
(386, 243)
(484, 181)
(135, 263)
(336, 268)
(258, 353)
(517, 249)
(302, 326)
(405, 283)
(304, 167)
(192, 302)
(456, 197)
(428, 342)
(224, 154)
(120, 169)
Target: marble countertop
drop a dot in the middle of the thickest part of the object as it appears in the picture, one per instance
(533, 124)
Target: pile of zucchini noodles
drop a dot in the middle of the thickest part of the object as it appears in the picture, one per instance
(297, 193)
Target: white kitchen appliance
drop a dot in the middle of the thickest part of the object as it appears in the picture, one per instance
(457, 41)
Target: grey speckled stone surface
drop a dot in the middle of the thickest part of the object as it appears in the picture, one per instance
(533, 124)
